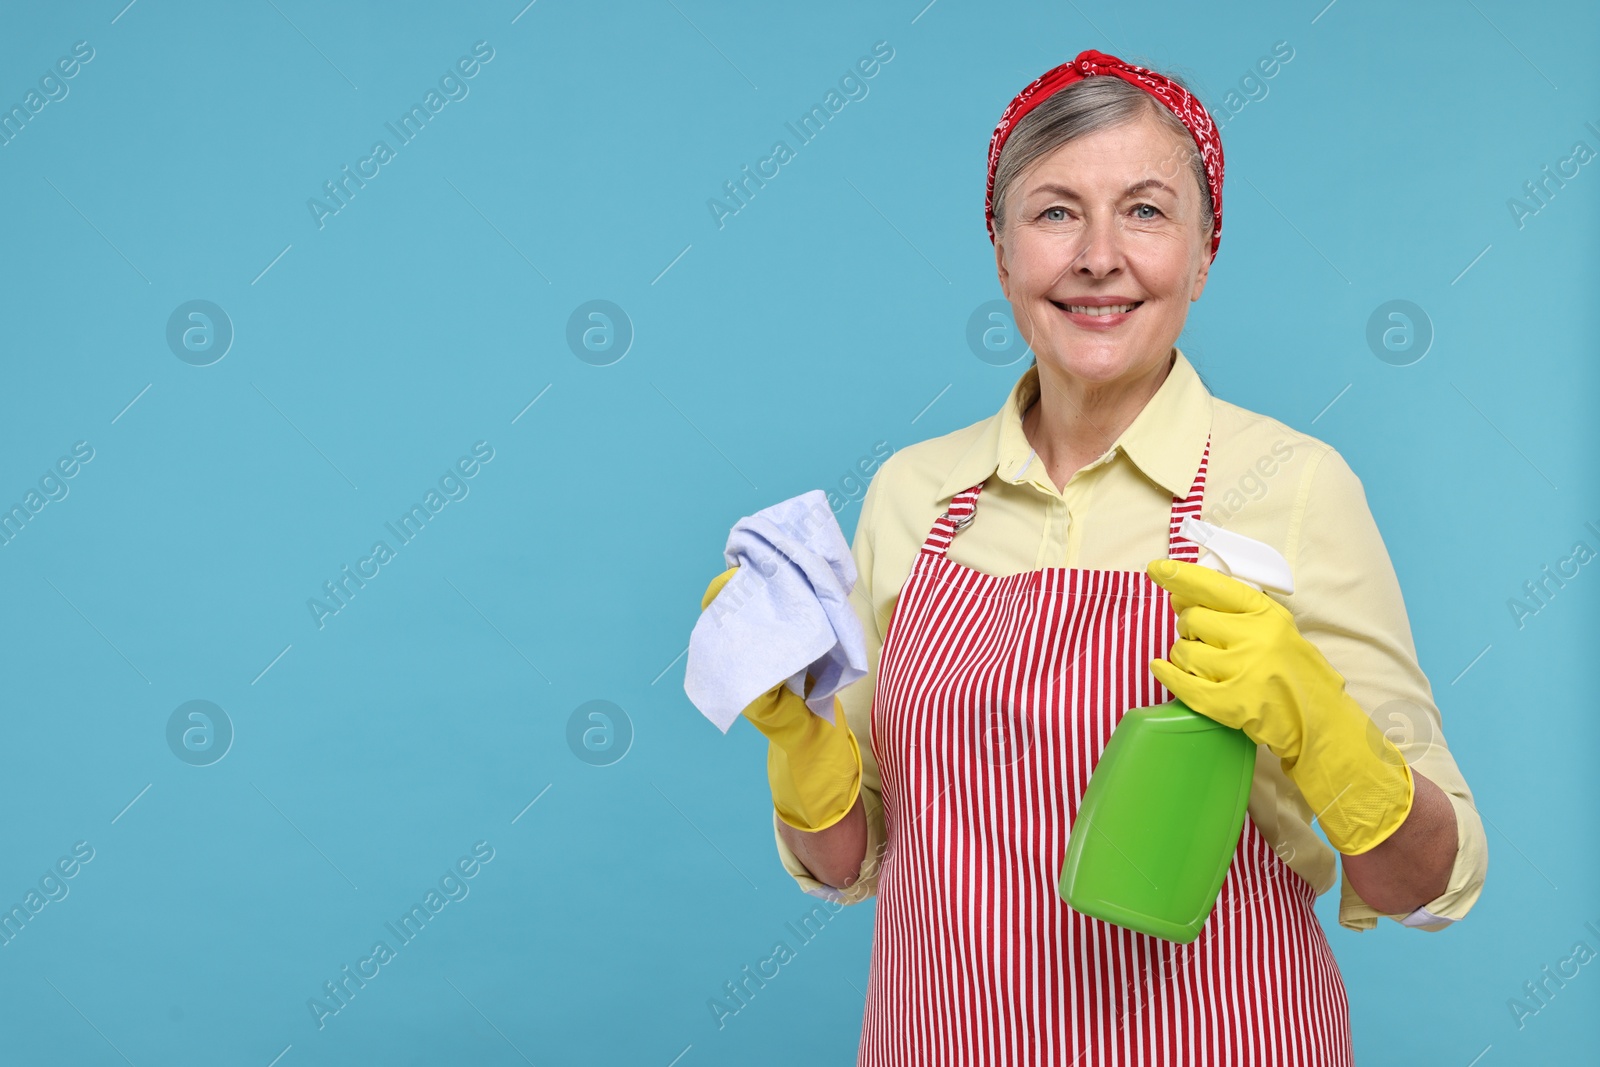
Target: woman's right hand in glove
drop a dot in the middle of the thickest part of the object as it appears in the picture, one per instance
(814, 768)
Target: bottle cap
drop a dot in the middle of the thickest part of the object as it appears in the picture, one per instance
(1257, 565)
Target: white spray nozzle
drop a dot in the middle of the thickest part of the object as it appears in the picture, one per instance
(1257, 565)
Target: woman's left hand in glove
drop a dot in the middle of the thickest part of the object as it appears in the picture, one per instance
(1240, 659)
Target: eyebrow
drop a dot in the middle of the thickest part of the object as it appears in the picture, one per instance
(1136, 187)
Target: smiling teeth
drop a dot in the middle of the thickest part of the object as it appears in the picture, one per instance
(1114, 309)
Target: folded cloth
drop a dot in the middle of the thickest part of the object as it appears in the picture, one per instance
(785, 615)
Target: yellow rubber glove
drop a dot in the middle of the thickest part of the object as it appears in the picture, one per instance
(814, 769)
(1241, 660)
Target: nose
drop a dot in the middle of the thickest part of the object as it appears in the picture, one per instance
(1102, 252)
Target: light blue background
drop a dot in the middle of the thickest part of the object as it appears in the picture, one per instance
(769, 356)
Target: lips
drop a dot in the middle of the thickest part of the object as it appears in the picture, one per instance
(1103, 320)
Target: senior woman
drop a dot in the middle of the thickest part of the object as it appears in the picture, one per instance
(1017, 575)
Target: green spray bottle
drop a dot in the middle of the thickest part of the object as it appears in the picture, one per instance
(1161, 817)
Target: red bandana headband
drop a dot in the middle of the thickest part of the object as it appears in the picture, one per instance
(1089, 62)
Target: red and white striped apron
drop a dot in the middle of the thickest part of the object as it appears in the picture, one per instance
(994, 699)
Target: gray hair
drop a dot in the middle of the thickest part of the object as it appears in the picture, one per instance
(1084, 107)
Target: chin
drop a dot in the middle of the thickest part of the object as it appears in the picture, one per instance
(1093, 360)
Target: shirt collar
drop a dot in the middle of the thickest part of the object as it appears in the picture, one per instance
(1164, 440)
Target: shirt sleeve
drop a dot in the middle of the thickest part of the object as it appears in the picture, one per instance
(1347, 602)
(856, 700)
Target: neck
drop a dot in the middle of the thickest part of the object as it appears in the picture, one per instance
(1074, 421)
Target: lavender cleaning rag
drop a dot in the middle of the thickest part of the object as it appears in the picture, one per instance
(784, 615)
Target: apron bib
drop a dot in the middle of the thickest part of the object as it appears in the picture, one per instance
(994, 699)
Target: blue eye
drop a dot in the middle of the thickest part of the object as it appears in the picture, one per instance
(1047, 211)
(1152, 207)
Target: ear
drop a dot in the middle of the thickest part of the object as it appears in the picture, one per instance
(1000, 268)
(1205, 269)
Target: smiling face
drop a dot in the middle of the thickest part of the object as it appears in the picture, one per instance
(1112, 216)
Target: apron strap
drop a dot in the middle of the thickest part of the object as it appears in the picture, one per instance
(958, 516)
(964, 507)
(1181, 548)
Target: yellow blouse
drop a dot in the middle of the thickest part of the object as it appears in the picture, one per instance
(1265, 481)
